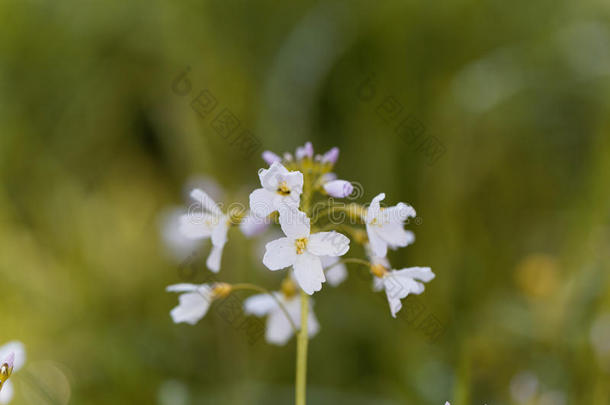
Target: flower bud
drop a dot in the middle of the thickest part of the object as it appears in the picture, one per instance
(305, 151)
(338, 188)
(331, 156)
(270, 157)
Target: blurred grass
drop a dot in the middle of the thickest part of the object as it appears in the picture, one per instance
(94, 145)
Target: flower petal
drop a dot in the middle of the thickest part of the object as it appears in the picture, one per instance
(206, 201)
(270, 178)
(309, 273)
(196, 225)
(183, 287)
(374, 209)
(191, 308)
(219, 234)
(378, 245)
(335, 273)
(424, 274)
(395, 235)
(263, 202)
(328, 244)
(214, 258)
(279, 254)
(279, 330)
(259, 305)
(294, 223)
(7, 392)
(338, 188)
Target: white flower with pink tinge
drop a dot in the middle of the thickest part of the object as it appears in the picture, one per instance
(384, 226)
(12, 358)
(207, 221)
(281, 187)
(302, 250)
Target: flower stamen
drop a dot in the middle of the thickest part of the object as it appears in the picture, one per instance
(283, 189)
(221, 290)
(301, 245)
(378, 270)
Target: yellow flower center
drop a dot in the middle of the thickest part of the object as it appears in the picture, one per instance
(378, 270)
(283, 189)
(301, 245)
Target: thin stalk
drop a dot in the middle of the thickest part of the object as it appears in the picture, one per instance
(347, 261)
(302, 342)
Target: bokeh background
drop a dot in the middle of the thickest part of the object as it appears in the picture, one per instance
(511, 100)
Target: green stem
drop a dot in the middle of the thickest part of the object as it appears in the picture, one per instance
(302, 341)
(253, 287)
(347, 261)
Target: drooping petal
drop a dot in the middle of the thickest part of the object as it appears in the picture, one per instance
(259, 305)
(191, 308)
(395, 304)
(309, 273)
(374, 209)
(294, 223)
(18, 349)
(263, 202)
(378, 284)
(7, 392)
(177, 245)
(279, 254)
(378, 245)
(214, 258)
(206, 201)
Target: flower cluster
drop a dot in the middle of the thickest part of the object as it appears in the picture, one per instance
(312, 247)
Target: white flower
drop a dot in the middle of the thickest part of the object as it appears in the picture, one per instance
(280, 188)
(338, 188)
(193, 304)
(11, 352)
(384, 226)
(398, 284)
(336, 273)
(204, 221)
(279, 330)
(302, 251)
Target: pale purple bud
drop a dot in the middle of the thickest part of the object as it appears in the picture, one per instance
(304, 151)
(328, 177)
(270, 157)
(287, 156)
(338, 188)
(331, 156)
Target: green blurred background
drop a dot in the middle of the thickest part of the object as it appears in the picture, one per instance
(514, 215)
